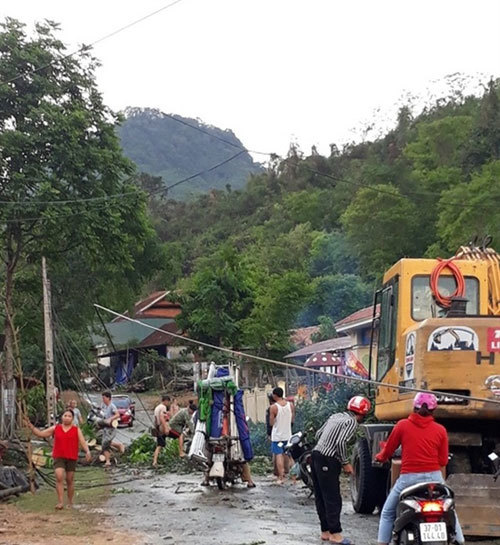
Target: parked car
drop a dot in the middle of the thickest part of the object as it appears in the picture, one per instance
(126, 408)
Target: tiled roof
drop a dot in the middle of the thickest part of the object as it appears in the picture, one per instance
(330, 345)
(358, 316)
(154, 306)
(302, 336)
(157, 338)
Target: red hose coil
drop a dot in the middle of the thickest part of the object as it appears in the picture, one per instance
(443, 300)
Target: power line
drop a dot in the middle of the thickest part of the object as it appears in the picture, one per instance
(85, 48)
(204, 131)
(381, 191)
(295, 366)
(116, 195)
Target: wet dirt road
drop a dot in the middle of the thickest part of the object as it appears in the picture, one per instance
(176, 509)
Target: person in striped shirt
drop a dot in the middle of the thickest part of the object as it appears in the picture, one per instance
(329, 457)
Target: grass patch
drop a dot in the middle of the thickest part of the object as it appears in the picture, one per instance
(44, 499)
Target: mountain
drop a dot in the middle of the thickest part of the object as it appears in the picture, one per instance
(168, 146)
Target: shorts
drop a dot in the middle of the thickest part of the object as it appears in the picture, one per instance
(173, 434)
(108, 434)
(278, 447)
(161, 440)
(65, 463)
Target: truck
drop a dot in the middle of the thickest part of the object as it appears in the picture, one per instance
(436, 327)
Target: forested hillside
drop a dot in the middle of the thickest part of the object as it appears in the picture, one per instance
(167, 146)
(310, 237)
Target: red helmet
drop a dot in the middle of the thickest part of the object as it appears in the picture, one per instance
(359, 405)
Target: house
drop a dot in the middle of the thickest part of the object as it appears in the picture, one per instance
(302, 336)
(348, 353)
(358, 326)
(120, 343)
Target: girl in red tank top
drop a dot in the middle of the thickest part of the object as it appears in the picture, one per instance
(67, 440)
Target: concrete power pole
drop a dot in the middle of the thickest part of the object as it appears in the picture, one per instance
(49, 346)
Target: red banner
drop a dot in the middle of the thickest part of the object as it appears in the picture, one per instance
(493, 339)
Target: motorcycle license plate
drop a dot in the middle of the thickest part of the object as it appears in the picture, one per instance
(218, 458)
(433, 531)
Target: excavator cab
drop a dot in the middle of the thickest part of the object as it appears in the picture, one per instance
(438, 332)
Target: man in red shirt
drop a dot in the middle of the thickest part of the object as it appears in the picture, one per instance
(424, 445)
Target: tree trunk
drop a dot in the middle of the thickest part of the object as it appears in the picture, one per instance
(8, 408)
(8, 370)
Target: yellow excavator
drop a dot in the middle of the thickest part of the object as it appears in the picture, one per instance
(436, 327)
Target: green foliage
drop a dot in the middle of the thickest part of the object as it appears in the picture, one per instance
(261, 444)
(336, 296)
(57, 146)
(217, 298)
(383, 215)
(312, 414)
(36, 404)
(326, 330)
(481, 216)
(162, 146)
(140, 452)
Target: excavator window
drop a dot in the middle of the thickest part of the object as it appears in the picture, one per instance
(388, 327)
(423, 302)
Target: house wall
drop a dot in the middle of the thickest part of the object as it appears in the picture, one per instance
(256, 402)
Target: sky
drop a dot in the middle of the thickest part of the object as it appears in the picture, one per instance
(314, 72)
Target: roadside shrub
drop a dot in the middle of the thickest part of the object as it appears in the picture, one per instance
(141, 451)
(312, 414)
(261, 444)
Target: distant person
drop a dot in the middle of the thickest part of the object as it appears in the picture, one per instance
(281, 416)
(67, 440)
(161, 425)
(269, 429)
(109, 433)
(78, 420)
(181, 420)
(174, 408)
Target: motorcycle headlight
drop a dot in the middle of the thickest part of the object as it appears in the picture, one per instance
(128, 413)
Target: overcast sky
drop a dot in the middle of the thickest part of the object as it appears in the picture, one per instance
(277, 70)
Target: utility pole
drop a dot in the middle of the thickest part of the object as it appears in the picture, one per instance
(49, 346)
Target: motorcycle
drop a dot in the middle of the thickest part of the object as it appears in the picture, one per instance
(300, 451)
(425, 515)
(221, 465)
(95, 418)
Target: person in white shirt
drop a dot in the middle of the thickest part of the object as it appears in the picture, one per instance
(281, 416)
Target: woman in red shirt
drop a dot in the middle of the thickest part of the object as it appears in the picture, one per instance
(67, 439)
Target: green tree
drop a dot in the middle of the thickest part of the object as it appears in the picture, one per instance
(57, 146)
(326, 330)
(331, 254)
(477, 211)
(336, 296)
(278, 301)
(484, 142)
(381, 224)
(217, 298)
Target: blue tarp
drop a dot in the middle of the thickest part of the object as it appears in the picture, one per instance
(124, 367)
(241, 423)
